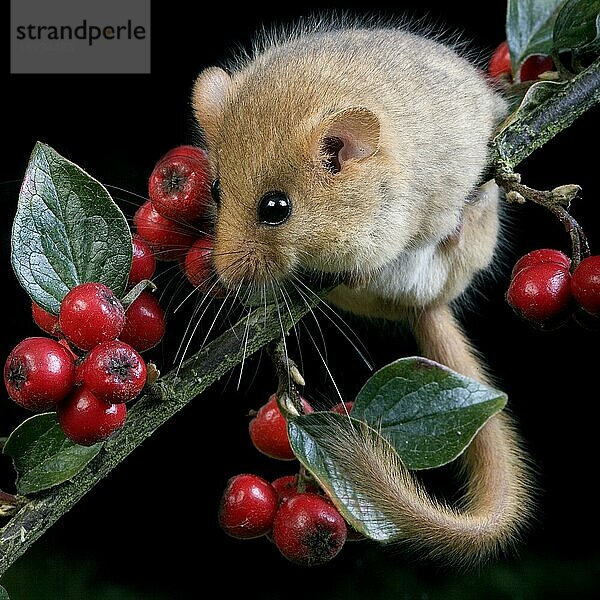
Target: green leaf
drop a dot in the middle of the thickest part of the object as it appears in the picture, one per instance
(529, 28)
(67, 230)
(577, 25)
(313, 439)
(428, 412)
(43, 456)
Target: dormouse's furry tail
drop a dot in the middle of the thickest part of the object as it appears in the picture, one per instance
(496, 504)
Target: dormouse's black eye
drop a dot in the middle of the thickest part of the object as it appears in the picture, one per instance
(274, 208)
(215, 190)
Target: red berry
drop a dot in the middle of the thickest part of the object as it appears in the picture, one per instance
(38, 373)
(286, 486)
(179, 185)
(541, 294)
(198, 263)
(113, 371)
(143, 264)
(585, 284)
(542, 255)
(90, 313)
(199, 270)
(534, 66)
(268, 430)
(343, 408)
(247, 507)
(144, 322)
(86, 419)
(500, 65)
(309, 530)
(43, 319)
(168, 239)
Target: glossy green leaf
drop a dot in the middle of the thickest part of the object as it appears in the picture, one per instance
(315, 441)
(529, 28)
(428, 412)
(577, 25)
(67, 230)
(43, 457)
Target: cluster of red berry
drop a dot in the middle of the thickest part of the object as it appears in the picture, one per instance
(500, 66)
(89, 366)
(173, 221)
(292, 511)
(547, 292)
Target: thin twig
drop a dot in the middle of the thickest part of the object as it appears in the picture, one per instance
(557, 201)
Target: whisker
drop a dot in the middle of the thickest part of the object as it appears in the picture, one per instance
(11, 181)
(319, 328)
(264, 295)
(230, 293)
(232, 267)
(295, 326)
(329, 373)
(207, 293)
(109, 187)
(207, 299)
(244, 346)
(212, 325)
(283, 340)
(189, 334)
(324, 358)
(322, 305)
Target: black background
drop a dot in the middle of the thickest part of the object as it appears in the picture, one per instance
(149, 530)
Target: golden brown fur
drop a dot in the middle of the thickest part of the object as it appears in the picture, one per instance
(404, 215)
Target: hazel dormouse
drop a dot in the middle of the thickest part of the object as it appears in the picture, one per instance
(359, 151)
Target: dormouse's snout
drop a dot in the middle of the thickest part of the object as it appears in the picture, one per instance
(237, 256)
(255, 251)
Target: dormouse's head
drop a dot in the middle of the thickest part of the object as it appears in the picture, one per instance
(294, 179)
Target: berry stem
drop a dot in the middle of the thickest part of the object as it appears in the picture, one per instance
(564, 73)
(305, 479)
(579, 243)
(136, 290)
(288, 375)
(557, 201)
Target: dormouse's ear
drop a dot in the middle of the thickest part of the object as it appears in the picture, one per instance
(208, 99)
(351, 134)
